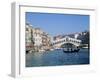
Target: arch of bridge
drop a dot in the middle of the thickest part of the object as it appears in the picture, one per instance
(75, 44)
(67, 40)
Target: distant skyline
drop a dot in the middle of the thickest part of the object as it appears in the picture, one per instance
(57, 24)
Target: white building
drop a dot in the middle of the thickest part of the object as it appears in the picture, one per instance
(28, 37)
(37, 37)
(76, 35)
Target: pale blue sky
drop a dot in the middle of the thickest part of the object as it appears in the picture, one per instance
(56, 24)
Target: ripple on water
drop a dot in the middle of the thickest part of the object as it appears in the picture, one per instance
(57, 57)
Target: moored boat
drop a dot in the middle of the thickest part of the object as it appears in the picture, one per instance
(70, 50)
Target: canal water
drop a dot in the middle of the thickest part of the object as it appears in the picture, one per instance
(57, 58)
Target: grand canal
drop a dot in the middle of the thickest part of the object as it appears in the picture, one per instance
(57, 58)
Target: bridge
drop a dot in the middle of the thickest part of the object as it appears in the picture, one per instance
(66, 40)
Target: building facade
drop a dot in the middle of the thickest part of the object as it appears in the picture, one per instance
(36, 39)
(28, 37)
(46, 41)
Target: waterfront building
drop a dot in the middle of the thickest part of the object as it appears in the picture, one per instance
(46, 41)
(57, 37)
(28, 37)
(36, 39)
